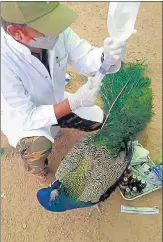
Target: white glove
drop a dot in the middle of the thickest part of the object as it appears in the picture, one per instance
(85, 96)
(115, 51)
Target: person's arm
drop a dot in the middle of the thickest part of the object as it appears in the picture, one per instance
(14, 96)
(84, 57)
(61, 109)
(85, 96)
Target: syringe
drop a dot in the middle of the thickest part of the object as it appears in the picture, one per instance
(104, 68)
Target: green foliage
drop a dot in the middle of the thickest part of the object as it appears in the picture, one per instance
(130, 111)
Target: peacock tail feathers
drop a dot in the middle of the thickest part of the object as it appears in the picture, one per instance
(128, 97)
(99, 160)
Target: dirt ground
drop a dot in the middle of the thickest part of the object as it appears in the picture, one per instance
(23, 220)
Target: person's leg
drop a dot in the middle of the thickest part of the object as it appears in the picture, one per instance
(34, 152)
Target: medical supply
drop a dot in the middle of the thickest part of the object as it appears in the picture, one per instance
(139, 210)
(121, 21)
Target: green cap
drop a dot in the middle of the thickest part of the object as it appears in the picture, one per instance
(46, 17)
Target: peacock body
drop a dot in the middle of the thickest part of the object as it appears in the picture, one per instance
(93, 169)
(96, 163)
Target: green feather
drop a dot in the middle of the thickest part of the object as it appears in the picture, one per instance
(127, 97)
(74, 182)
(131, 112)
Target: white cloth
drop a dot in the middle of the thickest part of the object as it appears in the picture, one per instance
(28, 93)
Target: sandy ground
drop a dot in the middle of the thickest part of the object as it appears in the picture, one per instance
(23, 220)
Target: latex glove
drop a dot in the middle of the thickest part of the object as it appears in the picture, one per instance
(114, 48)
(115, 51)
(85, 96)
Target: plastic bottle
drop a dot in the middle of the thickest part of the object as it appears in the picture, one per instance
(121, 19)
(120, 22)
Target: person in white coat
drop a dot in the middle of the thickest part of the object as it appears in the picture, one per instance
(36, 46)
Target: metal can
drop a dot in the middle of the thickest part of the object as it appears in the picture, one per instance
(134, 190)
(128, 171)
(132, 180)
(142, 184)
(127, 192)
(123, 183)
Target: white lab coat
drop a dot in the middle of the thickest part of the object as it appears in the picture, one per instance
(28, 93)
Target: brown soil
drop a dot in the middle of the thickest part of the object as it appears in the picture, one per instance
(23, 220)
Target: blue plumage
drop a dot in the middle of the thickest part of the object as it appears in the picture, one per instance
(62, 202)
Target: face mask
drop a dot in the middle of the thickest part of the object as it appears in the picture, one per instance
(44, 42)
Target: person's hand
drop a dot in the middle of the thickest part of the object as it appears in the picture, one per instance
(85, 96)
(115, 51)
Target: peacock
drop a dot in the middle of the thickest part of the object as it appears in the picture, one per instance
(93, 168)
